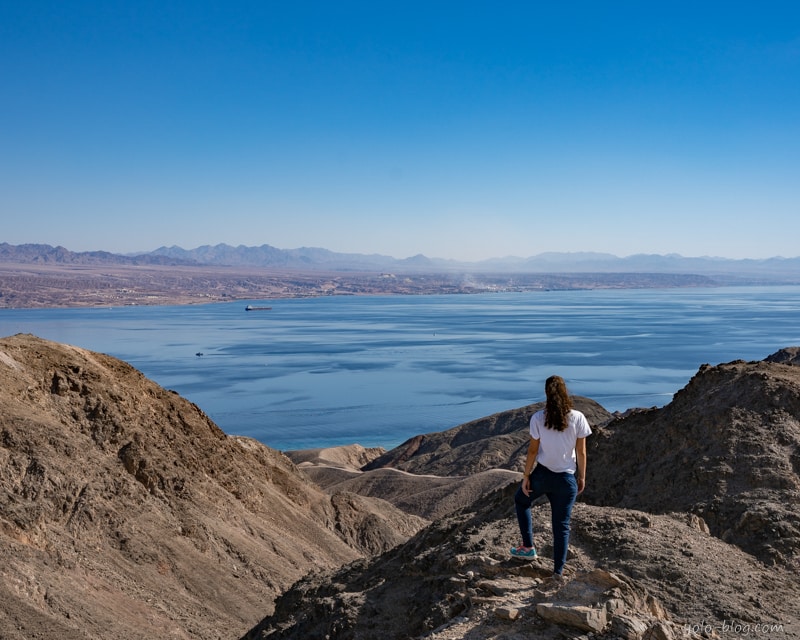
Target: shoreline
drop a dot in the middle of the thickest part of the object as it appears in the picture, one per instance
(45, 286)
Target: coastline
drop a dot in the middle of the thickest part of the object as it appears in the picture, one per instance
(32, 286)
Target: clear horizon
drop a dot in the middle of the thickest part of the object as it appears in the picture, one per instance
(462, 131)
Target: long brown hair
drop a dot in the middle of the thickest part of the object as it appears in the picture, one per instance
(558, 403)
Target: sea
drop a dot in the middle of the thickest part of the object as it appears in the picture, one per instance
(377, 370)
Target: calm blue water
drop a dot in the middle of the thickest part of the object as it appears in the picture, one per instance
(377, 370)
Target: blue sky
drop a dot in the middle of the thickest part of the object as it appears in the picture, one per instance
(462, 130)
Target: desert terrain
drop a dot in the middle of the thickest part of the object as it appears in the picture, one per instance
(125, 512)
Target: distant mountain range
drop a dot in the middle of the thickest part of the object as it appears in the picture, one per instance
(316, 259)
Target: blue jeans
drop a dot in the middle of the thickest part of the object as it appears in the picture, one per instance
(562, 490)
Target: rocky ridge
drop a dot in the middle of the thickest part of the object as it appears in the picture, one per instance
(126, 513)
(644, 563)
(727, 448)
(630, 575)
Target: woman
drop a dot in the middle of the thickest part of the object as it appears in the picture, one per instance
(555, 467)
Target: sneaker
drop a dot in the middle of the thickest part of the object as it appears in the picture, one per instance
(523, 552)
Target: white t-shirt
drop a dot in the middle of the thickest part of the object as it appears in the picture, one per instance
(557, 448)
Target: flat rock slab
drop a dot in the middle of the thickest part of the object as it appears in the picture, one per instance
(575, 616)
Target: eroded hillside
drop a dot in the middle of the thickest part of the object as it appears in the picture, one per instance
(125, 512)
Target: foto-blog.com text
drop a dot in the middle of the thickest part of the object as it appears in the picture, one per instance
(733, 627)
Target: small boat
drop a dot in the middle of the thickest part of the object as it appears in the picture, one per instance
(250, 307)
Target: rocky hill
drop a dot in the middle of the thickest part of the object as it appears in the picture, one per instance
(727, 448)
(126, 513)
(631, 575)
(688, 528)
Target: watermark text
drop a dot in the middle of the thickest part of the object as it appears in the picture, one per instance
(765, 629)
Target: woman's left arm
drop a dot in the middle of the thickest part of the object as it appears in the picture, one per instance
(580, 451)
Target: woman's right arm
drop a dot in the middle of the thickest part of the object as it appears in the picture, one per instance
(530, 462)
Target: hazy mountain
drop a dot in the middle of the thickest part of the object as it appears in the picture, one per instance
(323, 259)
(304, 258)
(655, 263)
(317, 259)
(46, 254)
